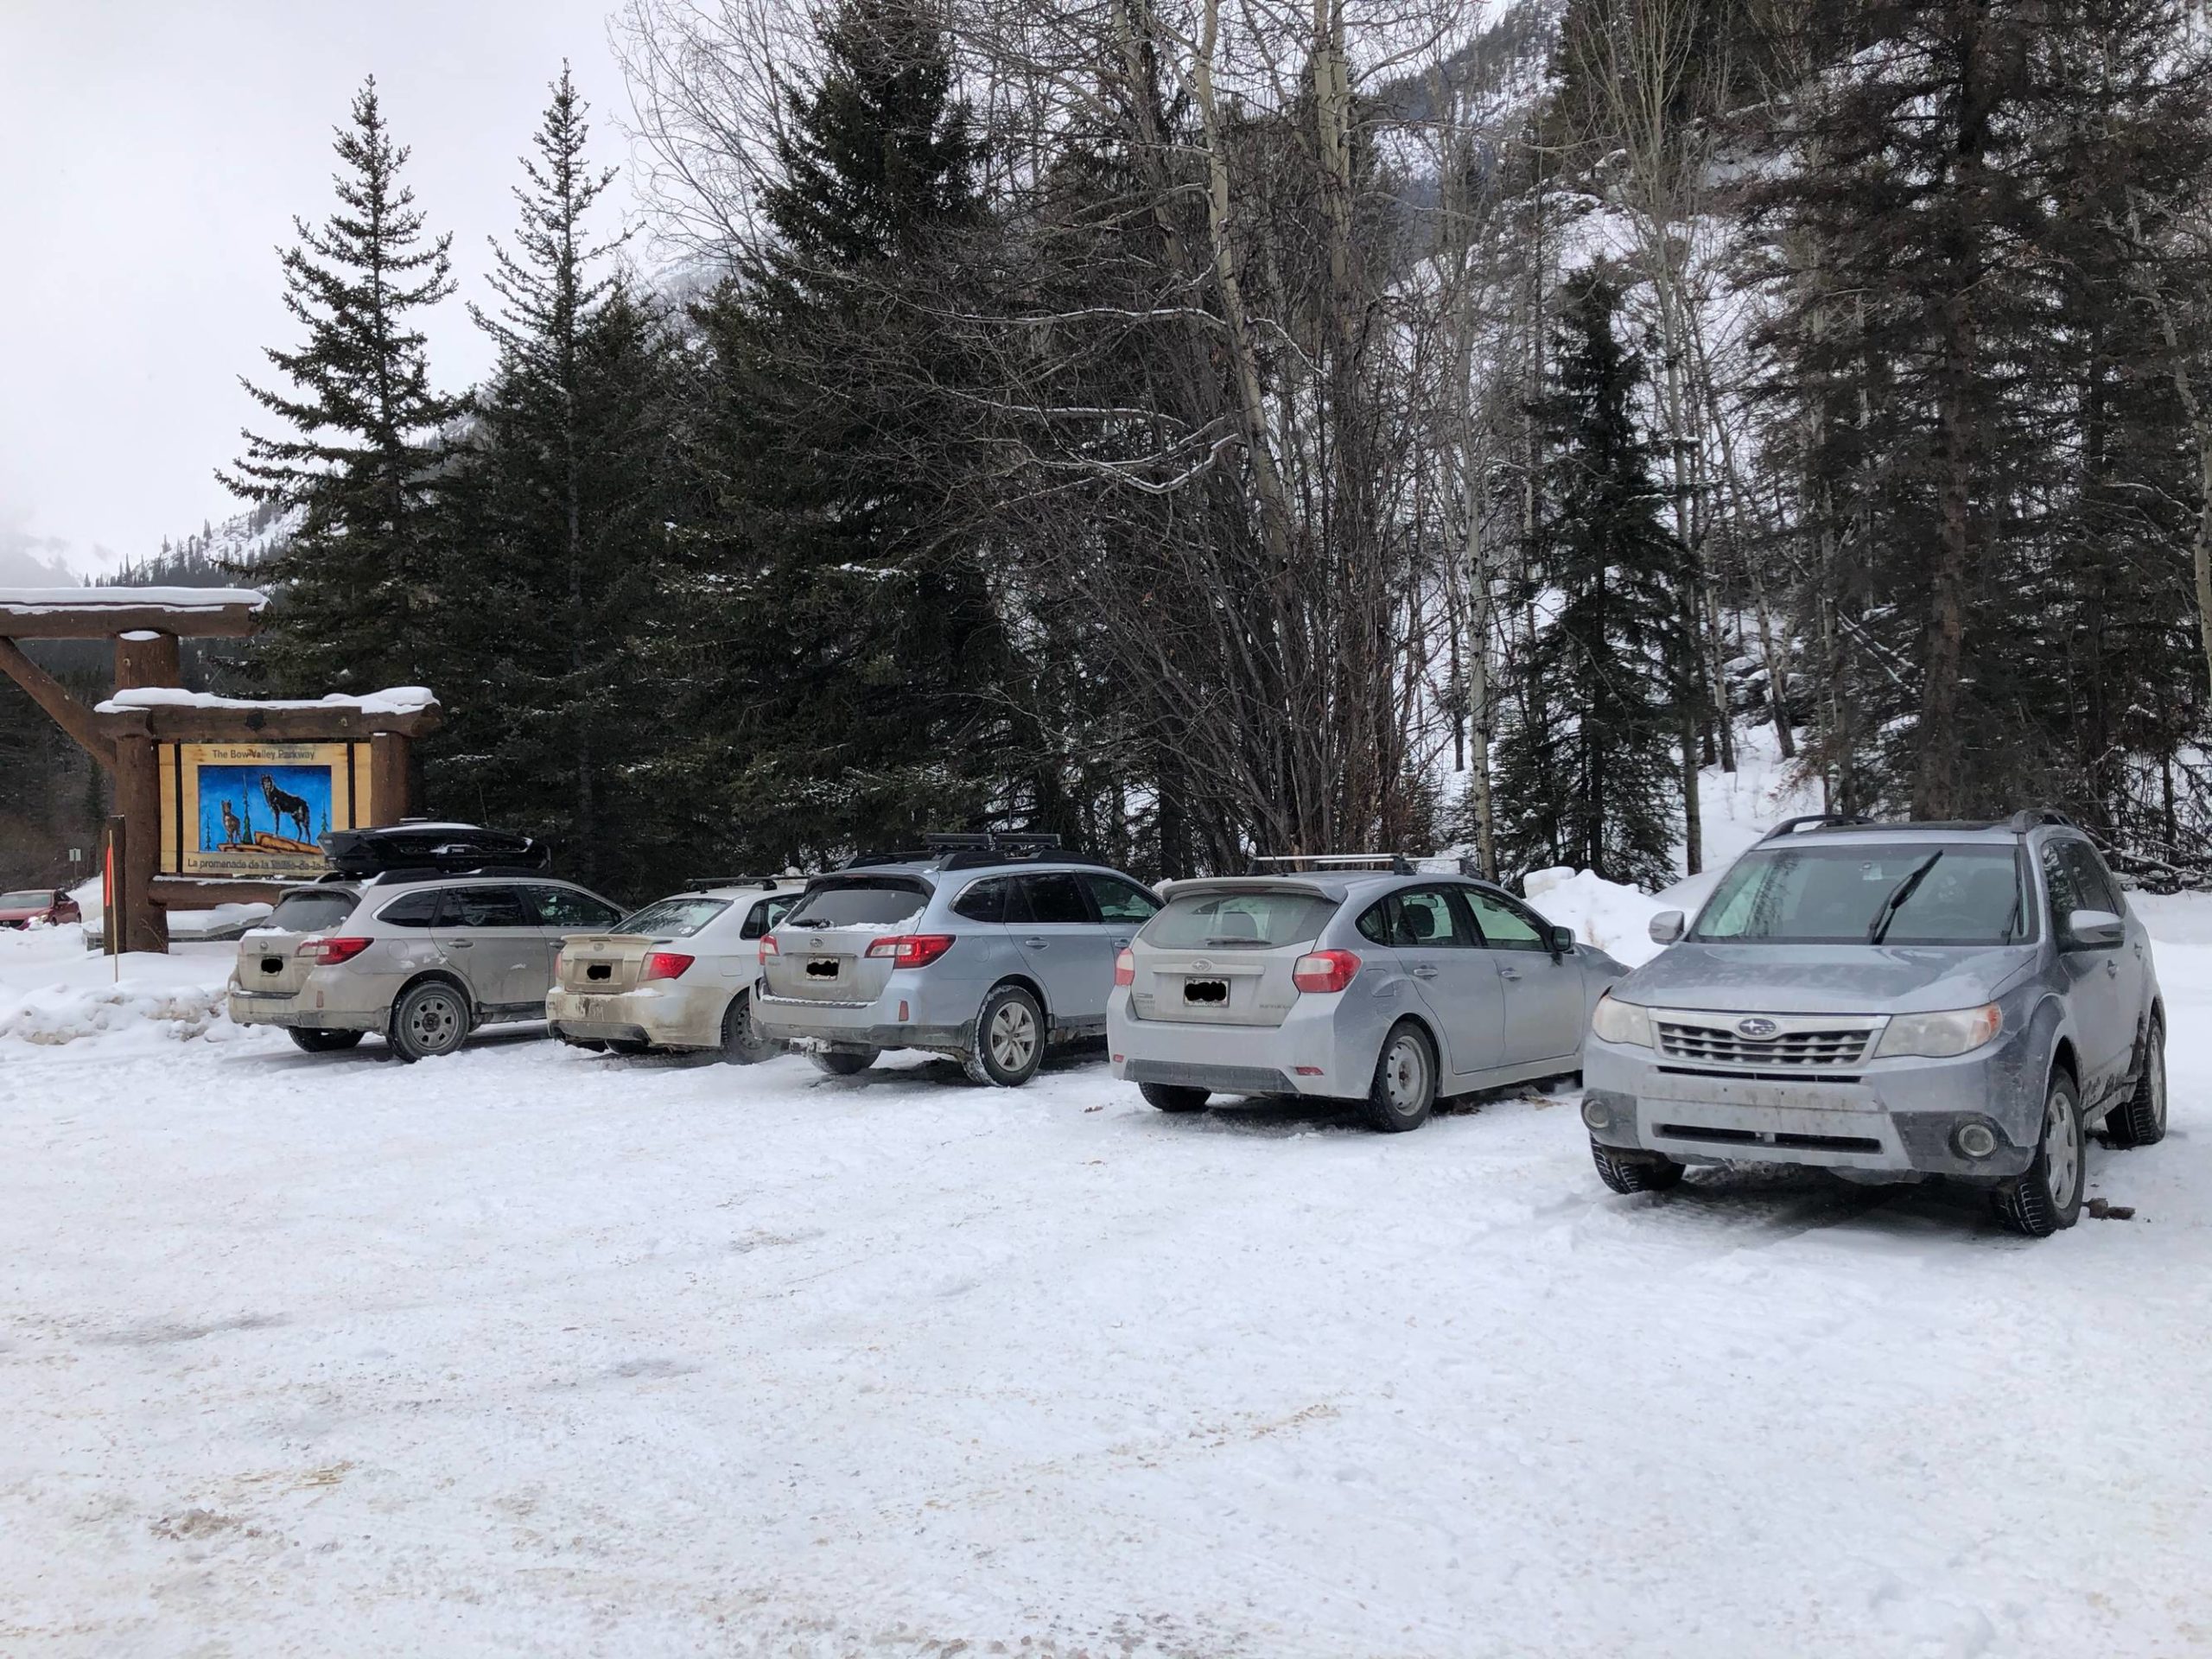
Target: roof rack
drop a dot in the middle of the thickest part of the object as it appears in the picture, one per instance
(1390, 863)
(410, 873)
(979, 849)
(1821, 820)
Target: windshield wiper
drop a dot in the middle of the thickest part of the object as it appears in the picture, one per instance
(1899, 894)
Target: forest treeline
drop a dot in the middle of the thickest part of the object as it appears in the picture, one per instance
(1201, 431)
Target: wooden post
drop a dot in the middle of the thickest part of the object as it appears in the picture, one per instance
(388, 779)
(143, 656)
(143, 924)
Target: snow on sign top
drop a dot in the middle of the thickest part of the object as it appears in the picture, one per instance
(393, 700)
(34, 600)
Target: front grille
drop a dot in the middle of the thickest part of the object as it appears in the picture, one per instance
(1798, 1045)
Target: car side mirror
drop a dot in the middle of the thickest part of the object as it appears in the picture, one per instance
(1562, 941)
(1667, 927)
(2091, 930)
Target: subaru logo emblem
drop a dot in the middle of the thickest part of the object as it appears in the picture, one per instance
(1201, 965)
(1756, 1028)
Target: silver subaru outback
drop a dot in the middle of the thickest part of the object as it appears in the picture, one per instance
(1891, 1002)
(983, 949)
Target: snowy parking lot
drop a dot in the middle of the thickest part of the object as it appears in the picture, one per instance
(531, 1351)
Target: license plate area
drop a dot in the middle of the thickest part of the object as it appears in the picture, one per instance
(821, 968)
(1206, 993)
(600, 971)
(273, 965)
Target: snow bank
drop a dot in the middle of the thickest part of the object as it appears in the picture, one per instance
(1614, 918)
(392, 700)
(53, 992)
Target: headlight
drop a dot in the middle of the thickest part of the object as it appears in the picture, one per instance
(1615, 1022)
(1939, 1036)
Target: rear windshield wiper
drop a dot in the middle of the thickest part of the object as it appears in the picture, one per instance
(1899, 894)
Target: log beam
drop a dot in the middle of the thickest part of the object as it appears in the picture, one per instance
(146, 658)
(184, 723)
(71, 715)
(143, 925)
(51, 619)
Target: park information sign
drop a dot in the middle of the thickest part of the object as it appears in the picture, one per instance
(257, 810)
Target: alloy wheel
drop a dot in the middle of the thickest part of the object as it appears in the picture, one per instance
(1012, 1036)
(2062, 1150)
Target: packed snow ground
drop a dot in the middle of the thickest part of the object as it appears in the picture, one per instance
(531, 1353)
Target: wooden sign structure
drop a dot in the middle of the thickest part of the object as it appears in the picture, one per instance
(222, 799)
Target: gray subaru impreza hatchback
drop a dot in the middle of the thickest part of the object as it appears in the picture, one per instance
(1892, 1002)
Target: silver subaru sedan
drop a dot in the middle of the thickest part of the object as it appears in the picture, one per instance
(1392, 990)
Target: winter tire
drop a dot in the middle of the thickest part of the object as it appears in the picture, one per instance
(2049, 1196)
(1404, 1092)
(1170, 1099)
(1009, 1039)
(431, 1019)
(325, 1042)
(2140, 1120)
(742, 1044)
(843, 1062)
(1635, 1171)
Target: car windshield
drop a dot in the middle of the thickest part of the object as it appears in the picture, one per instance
(310, 912)
(1262, 920)
(672, 919)
(28, 898)
(879, 902)
(1922, 892)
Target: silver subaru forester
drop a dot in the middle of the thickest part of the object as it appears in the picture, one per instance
(1891, 1002)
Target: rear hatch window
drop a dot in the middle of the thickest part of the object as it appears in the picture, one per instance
(860, 901)
(1225, 921)
(310, 913)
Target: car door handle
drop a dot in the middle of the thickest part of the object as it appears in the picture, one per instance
(460, 944)
(1508, 973)
(1423, 971)
(1120, 944)
(1034, 945)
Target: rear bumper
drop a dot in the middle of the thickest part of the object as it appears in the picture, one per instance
(1305, 1055)
(666, 1014)
(299, 1011)
(862, 1025)
(1896, 1116)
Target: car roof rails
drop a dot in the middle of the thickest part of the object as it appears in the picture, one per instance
(1341, 864)
(2035, 817)
(766, 883)
(1819, 820)
(411, 873)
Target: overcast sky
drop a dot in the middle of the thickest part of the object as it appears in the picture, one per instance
(152, 155)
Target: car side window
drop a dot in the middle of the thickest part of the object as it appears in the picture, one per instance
(415, 910)
(1120, 901)
(1503, 927)
(2091, 876)
(1055, 898)
(766, 913)
(984, 901)
(483, 907)
(565, 907)
(2062, 883)
(1420, 919)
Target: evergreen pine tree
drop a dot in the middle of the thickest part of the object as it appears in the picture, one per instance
(860, 634)
(558, 508)
(356, 581)
(1586, 772)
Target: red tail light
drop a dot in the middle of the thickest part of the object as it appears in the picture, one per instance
(327, 951)
(1324, 970)
(665, 964)
(769, 947)
(1125, 970)
(911, 949)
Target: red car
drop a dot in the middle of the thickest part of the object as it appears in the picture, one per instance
(28, 905)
